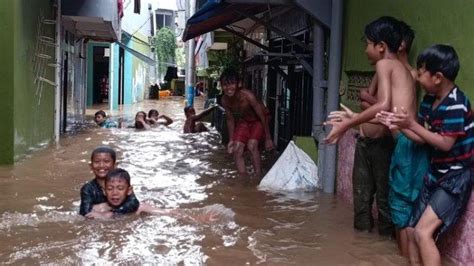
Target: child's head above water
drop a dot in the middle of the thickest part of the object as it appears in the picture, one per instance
(100, 117)
(102, 161)
(189, 110)
(117, 186)
(153, 113)
(140, 116)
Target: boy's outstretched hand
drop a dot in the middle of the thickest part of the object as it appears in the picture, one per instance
(338, 121)
(399, 119)
(339, 116)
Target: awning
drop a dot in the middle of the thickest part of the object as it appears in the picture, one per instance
(216, 14)
(141, 56)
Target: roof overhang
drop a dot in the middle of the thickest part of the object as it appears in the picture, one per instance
(90, 27)
(217, 14)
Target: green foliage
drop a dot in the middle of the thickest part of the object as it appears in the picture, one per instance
(222, 59)
(165, 47)
(180, 57)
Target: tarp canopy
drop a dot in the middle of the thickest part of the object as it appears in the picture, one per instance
(215, 14)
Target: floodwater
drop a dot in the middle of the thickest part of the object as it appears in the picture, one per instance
(39, 199)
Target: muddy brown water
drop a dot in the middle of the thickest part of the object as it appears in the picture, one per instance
(39, 199)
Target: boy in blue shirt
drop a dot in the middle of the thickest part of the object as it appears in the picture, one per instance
(445, 122)
(100, 118)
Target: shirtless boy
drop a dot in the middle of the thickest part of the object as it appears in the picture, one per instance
(249, 124)
(394, 86)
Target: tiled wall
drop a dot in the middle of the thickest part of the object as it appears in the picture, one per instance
(458, 244)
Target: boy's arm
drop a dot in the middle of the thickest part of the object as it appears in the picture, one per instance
(440, 142)
(168, 120)
(102, 207)
(203, 113)
(261, 115)
(144, 123)
(383, 72)
(86, 200)
(230, 121)
(385, 118)
(367, 96)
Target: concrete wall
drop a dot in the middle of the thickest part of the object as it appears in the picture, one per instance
(132, 22)
(26, 107)
(436, 21)
(140, 69)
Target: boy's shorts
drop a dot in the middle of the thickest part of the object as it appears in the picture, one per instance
(245, 130)
(410, 163)
(448, 197)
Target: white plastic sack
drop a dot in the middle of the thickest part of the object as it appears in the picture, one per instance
(293, 171)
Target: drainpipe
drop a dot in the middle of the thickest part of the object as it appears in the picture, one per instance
(57, 77)
(111, 76)
(335, 47)
(319, 87)
(190, 67)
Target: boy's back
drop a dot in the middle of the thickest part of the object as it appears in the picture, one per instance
(403, 90)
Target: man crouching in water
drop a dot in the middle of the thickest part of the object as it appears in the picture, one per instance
(246, 122)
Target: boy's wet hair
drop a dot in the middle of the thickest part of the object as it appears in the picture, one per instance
(440, 58)
(385, 29)
(104, 149)
(100, 112)
(229, 76)
(152, 112)
(408, 35)
(118, 173)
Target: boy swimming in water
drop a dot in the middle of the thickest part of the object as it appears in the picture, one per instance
(154, 118)
(92, 193)
(192, 123)
(100, 118)
(118, 191)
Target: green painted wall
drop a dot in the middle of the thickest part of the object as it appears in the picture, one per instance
(435, 21)
(27, 113)
(6, 86)
(33, 104)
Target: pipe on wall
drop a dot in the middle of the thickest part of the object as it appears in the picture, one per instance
(335, 54)
(318, 92)
(57, 76)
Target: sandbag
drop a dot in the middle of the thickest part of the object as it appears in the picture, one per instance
(293, 171)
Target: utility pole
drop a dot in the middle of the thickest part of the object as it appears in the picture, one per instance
(190, 10)
(57, 75)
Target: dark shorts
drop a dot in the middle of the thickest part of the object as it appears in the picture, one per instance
(448, 197)
(245, 130)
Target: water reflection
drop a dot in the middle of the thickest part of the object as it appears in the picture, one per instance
(39, 200)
